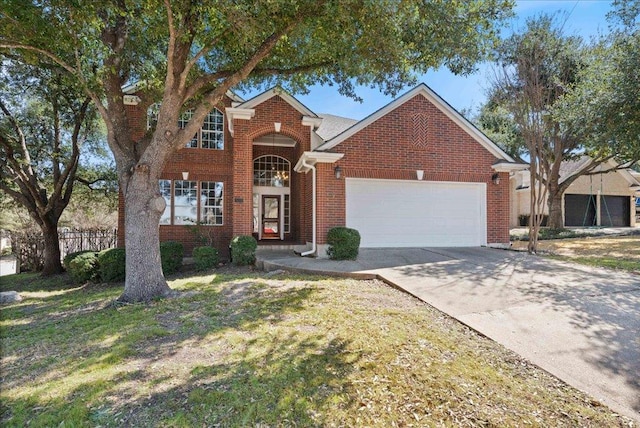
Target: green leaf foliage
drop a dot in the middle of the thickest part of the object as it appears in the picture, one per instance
(171, 255)
(344, 243)
(243, 250)
(111, 263)
(205, 258)
(82, 266)
(604, 108)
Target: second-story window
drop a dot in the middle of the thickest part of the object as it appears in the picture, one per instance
(209, 136)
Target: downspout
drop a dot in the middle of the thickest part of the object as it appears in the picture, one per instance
(313, 209)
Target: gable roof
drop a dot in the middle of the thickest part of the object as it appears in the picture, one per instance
(571, 167)
(277, 91)
(333, 125)
(421, 90)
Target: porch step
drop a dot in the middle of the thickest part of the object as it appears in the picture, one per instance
(280, 247)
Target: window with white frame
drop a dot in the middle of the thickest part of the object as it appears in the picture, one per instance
(185, 205)
(185, 202)
(211, 201)
(210, 135)
(271, 170)
(212, 132)
(165, 192)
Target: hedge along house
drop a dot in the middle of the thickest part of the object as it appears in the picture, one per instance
(413, 174)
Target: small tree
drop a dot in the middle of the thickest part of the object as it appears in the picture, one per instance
(44, 120)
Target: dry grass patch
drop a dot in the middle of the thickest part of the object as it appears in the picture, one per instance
(618, 252)
(255, 351)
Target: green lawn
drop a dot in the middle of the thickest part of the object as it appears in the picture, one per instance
(254, 351)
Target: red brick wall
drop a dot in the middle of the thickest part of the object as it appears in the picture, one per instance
(385, 149)
(202, 165)
(246, 131)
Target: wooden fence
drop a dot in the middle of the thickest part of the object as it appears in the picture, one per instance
(28, 247)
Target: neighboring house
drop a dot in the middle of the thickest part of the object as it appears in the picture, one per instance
(595, 199)
(414, 173)
(636, 175)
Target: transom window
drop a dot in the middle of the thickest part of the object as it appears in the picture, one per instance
(210, 136)
(190, 204)
(272, 171)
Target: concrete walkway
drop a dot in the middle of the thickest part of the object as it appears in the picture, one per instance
(581, 324)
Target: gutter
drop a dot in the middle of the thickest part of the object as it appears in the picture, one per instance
(307, 162)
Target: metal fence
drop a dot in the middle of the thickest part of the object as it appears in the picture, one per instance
(28, 247)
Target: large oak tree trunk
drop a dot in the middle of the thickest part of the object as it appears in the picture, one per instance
(555, 221)
(143, 207)
(52, 264)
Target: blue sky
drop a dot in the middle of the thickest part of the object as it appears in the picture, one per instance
(584, 18)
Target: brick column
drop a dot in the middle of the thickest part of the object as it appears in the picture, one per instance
(242, 201)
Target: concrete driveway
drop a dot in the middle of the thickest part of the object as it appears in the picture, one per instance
(581, 324)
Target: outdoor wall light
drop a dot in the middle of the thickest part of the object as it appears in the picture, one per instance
(185, 175)
(495, 178)
(338, 172)
(419, 174)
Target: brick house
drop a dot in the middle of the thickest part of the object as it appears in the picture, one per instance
(414, 173)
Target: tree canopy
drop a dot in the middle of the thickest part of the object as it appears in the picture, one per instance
(45, 120)
(187, 55)
(556, 98)
(603, 108)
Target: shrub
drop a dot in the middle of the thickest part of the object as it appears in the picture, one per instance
(171, 254)
(205, 257)
(83, 266)
(69, 257)
(111, 264)
(343, 243)
(243, 250)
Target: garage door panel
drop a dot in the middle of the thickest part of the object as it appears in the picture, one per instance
(394, 213)
(616, 211)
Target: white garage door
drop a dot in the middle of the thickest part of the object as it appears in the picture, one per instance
(397, 213)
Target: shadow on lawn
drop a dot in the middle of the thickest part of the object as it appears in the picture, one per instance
(603, 304)
(105, 354)
(290, 382)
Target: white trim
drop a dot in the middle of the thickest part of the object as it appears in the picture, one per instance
(437, 101)
(131, 100)
(313, 122)
(509, 167)
(132, 88)
(275, 140)
(311, 158)
(238, 113)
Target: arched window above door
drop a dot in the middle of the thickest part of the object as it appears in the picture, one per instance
(271, 171)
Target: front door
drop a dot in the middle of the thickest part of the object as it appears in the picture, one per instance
(270, 217)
